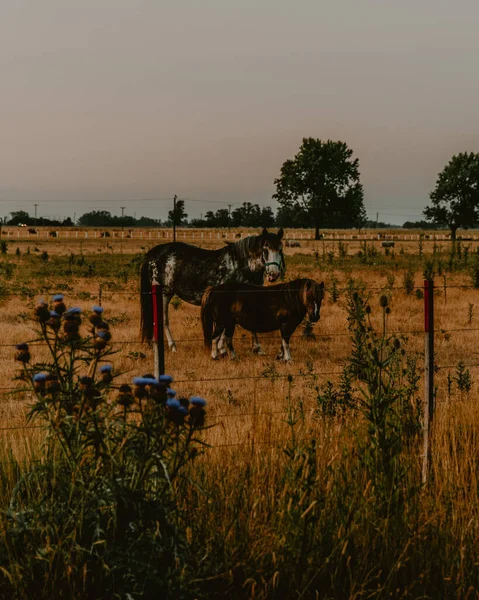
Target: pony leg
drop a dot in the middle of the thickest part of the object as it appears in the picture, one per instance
(286, 350)
(221, 345)
(214, 348)
(229, 342)
(217, 337)
(166, 323)
(256, 345)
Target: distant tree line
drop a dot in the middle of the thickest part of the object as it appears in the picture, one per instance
(319, 187)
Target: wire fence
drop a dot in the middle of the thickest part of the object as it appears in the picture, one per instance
(269, 378)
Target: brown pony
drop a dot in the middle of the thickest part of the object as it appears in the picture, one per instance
(260, 309)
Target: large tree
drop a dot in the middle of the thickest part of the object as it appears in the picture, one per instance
(455, 199)
(323, 181)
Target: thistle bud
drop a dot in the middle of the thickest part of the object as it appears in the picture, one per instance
(58, 304)
(42, 313)
(95, 318)
(73, 314)
(52, 385)
(39, 382)
(383, 301)
(139, 390)
(125, 397)
(23, 353)
(54, 320)
(106, 374)
(197, 411)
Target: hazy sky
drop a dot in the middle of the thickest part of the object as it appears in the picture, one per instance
(107, 102)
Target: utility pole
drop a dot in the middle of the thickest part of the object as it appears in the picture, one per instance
(174, 217)
(377, 219)
(229, 217)
(35, 222)
(122, 213)
(74, 218)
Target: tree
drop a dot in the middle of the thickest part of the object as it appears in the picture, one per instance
(96, 218)
(267, 217)
(455, 199)
(20, 216)
(247, 215)
(178, 214)
(323, 180)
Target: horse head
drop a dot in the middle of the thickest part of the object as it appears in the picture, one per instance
(272, 253)
(313, 294)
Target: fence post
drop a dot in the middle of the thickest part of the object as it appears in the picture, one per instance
(429, 372)
(158, 338)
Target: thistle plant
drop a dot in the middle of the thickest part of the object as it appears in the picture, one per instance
(102, 508)
(387, 394)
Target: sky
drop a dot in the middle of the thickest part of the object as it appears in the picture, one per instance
(110, 103)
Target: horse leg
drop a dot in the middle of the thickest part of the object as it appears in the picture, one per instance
(221, 345)
(280, 354)
(256, 345)
(217, 337)
(286, 350)
(166, 322)
(229, 332)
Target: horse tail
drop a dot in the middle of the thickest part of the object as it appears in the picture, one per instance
(146, 319)
(207, 320)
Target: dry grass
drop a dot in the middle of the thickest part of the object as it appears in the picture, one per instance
(249, 400)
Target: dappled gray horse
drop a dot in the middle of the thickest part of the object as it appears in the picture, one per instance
(187, 270)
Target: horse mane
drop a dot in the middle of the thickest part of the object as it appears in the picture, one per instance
(293, 294)
(246, 247)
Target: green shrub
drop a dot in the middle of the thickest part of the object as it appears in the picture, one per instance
(98, 516)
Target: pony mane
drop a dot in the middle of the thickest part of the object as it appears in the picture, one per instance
(293, 294)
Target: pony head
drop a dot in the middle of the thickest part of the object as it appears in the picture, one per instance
(272, 253)
(313, 294)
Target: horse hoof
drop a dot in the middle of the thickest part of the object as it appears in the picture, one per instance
(259, 351)
(173, 348)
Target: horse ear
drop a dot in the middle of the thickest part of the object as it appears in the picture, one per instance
(264, 233)
(280, 233)
(228, 242)
(321, 285)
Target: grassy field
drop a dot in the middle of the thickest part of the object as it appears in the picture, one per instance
(283, 505)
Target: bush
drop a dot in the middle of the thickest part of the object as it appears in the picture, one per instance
(98, 516)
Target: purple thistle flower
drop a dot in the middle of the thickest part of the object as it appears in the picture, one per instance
(54, 314)
(182, 410)
(106, 369)
(39, 377)
(173, 403)
(73, 311)
(97, 309)
(171, 393)
(144, 381)
(57, 297)
(166, 379)
(197, 401)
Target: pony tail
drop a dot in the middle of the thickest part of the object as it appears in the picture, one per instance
(146, 319)
(207, 320)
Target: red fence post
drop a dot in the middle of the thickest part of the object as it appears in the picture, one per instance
(428, 372)
(158, 338)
